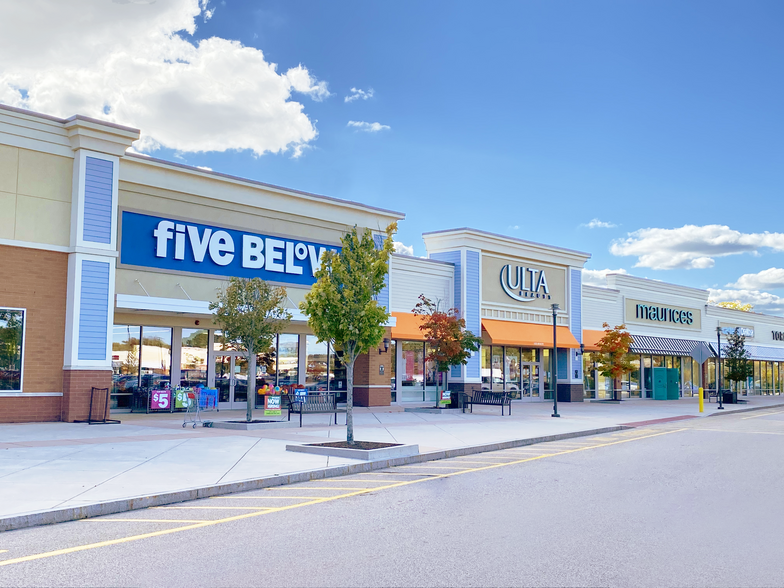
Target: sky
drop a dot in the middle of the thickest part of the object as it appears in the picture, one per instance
(649, 134)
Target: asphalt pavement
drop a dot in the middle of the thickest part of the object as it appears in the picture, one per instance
(689, 503)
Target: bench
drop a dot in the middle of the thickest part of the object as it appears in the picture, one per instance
(487, 398)
(312, 403)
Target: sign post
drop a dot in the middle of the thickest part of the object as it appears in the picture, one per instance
(701, 353)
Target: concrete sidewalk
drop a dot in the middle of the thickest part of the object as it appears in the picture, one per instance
(52, 466)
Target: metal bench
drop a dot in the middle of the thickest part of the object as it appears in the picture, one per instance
(487, 398)
(312, 403)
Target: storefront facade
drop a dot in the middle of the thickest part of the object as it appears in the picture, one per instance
(110, 262)
(667, 322)
(112, 259)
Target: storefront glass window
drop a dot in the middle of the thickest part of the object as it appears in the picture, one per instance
(11, 345)
(589, 376)
(125, 365)
(757, 378)
(316, 370)
(497, 369)
(634, 379)
(193, 357)
(512, 371)
(696, 376)
(431, 369)
(548, 383)
(288, 360)
(337, 372)
(487, 354)
(528, 355)
(156, 357)
(412, 370)
(686, 388)
(647, 376)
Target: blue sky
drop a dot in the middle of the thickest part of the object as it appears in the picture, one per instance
(527, 118)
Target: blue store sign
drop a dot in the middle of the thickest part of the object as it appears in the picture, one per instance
(166, 244)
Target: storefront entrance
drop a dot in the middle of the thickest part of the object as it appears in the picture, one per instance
(531, 383)
(231, 380)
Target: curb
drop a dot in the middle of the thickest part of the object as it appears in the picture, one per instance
(139, 502)
(737, 410)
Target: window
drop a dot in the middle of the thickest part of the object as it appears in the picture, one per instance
(156, 357)
(125, 364)
(392, 369)
(316, 370)
(193, 357)
(288, 359)
(11, 347)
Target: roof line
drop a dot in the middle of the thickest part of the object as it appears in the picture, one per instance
(69, 119)
(517, 239)
(194, 168)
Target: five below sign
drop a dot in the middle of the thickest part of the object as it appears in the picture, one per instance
(161, 243)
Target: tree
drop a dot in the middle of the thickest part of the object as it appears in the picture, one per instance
(449, 342)
(342, 307)
(736, 358)
(733, 304)
(614, 361)
(251, 314)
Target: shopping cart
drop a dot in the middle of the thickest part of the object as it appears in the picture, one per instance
(191, 400)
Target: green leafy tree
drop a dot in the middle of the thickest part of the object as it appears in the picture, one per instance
(448, 340)
(250, 312)
(613, 360)
(736, 358)
(342, 307)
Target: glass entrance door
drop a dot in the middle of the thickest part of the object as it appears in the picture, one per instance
(530, 382)
(231, 380)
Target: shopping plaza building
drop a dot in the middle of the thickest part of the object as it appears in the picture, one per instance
(110, 261)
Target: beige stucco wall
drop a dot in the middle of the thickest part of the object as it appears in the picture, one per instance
(35, 196)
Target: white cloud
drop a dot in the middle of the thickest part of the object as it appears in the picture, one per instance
(598, 224)
(356, 94)
(514, 227)
(691, 246)
(132, 62)
(204, 167)
(762, 301)
(765, 280)
(404, 249)
(368, 127)
(597, 277)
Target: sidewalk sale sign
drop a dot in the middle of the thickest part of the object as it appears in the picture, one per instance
(160, 399)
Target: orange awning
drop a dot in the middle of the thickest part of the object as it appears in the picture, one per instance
(407, 327)
(591, 339)
(527, 334)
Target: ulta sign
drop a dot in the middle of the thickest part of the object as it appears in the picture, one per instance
(167, 244)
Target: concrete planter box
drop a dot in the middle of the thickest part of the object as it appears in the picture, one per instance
(363, 454)
(253, 426)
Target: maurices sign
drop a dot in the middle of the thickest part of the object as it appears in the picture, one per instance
(166, 244)
(524, 284)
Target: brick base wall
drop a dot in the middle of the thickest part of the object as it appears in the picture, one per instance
(29, 409)
(77, 385)
(367, 372)
(570, 393)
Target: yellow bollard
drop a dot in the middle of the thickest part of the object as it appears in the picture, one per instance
(702, 405)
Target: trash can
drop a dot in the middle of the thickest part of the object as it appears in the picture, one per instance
(730, 397)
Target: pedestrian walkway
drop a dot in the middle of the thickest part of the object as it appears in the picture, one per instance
(50, 466)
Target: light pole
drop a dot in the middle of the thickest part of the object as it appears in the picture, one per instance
(718, 369)
(554, 363)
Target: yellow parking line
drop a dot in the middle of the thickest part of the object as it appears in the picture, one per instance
(315, 488)
(214, 507)
(348, 480)
(3, 550)
(108, 520)
(756, 416)
(399, 474)
(273, 497)
(396, 484)
(434, 467)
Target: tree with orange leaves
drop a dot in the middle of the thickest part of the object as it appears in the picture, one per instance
(449, 342)
(614, 360)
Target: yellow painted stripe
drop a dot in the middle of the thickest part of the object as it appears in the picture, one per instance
(213, 507)
(272, 497)
(3, 551)
(756, 416)
(161, 533)
(400, 474)
(428, 467)
(108, 520)
(314, 488)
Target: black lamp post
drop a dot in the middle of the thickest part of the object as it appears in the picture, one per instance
(718, 370)
(554, 363)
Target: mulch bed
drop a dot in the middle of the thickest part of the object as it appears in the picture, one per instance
(364, 445)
